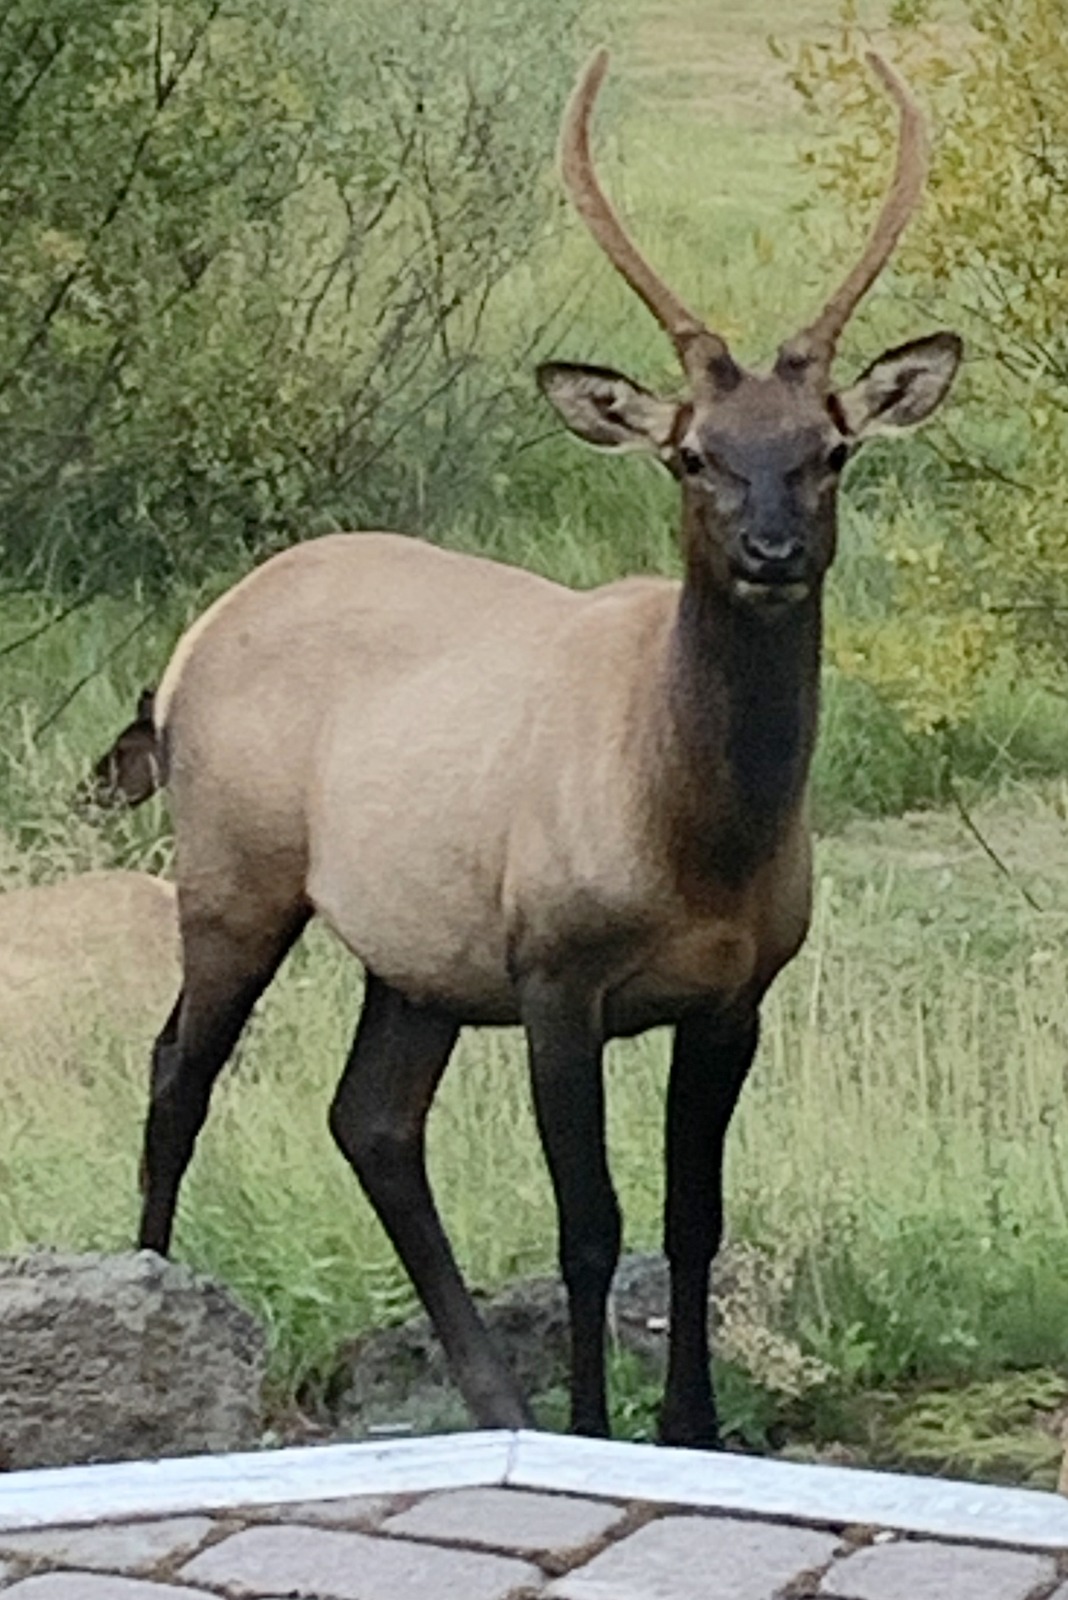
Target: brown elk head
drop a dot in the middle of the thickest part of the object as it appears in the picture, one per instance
(758, 455)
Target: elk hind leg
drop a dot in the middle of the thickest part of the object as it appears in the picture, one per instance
(378, 1119)
(226, 967)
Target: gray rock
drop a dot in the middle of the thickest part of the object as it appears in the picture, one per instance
(109, 1358)
(399, 1374)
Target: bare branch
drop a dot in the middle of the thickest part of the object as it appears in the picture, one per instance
(57, 299)
(94, 671)
(984, 843)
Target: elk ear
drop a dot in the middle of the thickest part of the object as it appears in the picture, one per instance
(607, 409)
(903, 387)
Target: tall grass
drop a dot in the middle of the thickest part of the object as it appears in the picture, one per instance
(901, 1142)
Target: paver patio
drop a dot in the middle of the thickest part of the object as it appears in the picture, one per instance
(685, 1538)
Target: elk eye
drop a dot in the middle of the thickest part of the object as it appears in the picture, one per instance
(838, 457)
(690, 462)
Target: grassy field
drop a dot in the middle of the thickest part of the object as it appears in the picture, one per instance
(900, 1145)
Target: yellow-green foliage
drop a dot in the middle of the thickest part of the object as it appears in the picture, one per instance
(930, 668)
(977, 552)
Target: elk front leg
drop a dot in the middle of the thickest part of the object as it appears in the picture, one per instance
(709, 1063)
(378, 1119)
(564, 1037)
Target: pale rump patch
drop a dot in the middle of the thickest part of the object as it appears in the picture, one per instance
(192, 636)
(184, 648)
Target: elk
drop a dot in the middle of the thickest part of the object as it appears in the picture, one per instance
(517, 803)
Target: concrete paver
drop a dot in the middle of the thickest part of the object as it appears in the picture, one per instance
(95, 1586)
(328, 1565)
(908, 1569)
(362, 1511)
(716, 1558)
(510, 1519)
(112, 1546)
(590, 1542)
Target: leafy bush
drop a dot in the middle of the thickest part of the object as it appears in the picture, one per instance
(978, 566)
(246, 252)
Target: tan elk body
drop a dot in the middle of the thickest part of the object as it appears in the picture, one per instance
(514, 802)
(522, 800)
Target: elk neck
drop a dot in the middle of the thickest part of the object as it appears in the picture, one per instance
(743, 706)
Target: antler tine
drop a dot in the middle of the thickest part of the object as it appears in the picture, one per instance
(816, 343)
(696, 345)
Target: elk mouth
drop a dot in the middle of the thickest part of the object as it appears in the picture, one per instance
(770, 592)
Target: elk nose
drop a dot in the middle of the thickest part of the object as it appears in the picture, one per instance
(772, 549)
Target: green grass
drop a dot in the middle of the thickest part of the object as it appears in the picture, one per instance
(901, 1143)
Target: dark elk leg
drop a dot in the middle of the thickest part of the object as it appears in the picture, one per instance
(566, 1074)
(379, 1120)
(709, 1064)
(225, 972)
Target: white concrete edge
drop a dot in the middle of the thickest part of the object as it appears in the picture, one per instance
(71, 1495)
(839, 1496)
(938, 1507)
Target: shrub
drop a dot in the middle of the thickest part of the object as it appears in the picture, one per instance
(247, 252)
(979, 565)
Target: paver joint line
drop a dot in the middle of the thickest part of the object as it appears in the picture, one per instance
(461, 1544)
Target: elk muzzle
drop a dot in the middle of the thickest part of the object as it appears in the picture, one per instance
(770, 566)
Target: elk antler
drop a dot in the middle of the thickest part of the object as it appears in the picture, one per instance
(814, 346)
(700, 351)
